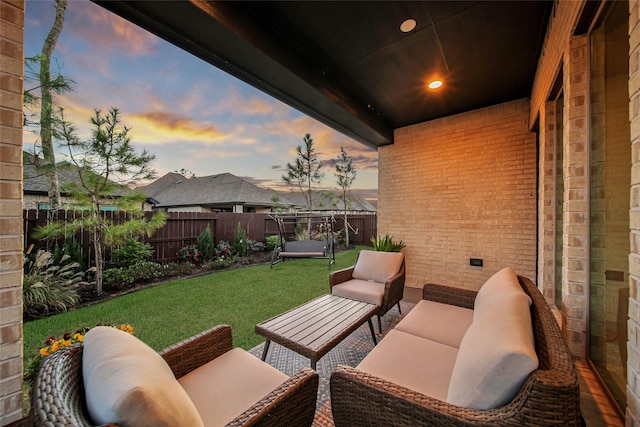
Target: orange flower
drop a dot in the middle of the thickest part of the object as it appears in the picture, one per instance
(44, 351)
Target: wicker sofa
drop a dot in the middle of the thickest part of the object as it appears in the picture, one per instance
(373, 395)
(59, 397)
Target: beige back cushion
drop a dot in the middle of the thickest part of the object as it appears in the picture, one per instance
(377, 266)
(126, 382)
(502, 284)
(495, 357)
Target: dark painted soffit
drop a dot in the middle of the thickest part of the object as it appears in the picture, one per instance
(347, 64)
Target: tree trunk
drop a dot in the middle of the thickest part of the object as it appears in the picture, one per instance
(346, 222)
(97, 247)
(46, 108)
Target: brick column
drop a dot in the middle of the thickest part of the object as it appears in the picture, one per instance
(547, 202)
(11, 75)
(575, 265)
(633, 346)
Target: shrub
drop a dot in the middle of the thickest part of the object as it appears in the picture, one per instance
(173, 269)
(49, 287)
(190, 253)
(300, 232)
(117, 278)
(386, 244)
(272, 242)
(240, 241)
(72, 249)
(253, 246)
(223, 250)
(123, 277)
(131, 253)
(205, 244)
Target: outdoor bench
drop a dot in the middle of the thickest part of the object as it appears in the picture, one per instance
(490, 357)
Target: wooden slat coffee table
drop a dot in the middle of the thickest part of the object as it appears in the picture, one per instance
(316, 327)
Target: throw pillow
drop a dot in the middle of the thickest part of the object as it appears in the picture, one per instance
(126, 382)
(496, 355)
(501, 284)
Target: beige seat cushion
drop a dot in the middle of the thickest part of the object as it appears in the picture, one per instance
(360, 290)
(230, 384)
(126, 382)
(377, 266)
(439, 322)
(496, 356)
(416, 363)
(501, 284)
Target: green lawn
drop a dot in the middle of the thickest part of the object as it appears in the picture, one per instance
(168, 313)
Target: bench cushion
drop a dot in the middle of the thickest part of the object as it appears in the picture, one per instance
(439, 322)
(500, 285)
(360, 290)
(377, 266)
(305, 246)
(229, 385)
(495, 357)
(126, 382)
(416, 363)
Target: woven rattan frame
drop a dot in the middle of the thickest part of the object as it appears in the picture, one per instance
(549, 397)
(58, 393)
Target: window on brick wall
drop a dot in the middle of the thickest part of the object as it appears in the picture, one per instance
(610, 149)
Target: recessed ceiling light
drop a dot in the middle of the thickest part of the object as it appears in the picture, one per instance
(408, 25)
(435, 84)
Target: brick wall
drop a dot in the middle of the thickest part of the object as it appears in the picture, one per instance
(11, 73)
(633, 347)
(462, 187)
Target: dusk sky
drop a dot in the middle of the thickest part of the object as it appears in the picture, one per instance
(188, 113)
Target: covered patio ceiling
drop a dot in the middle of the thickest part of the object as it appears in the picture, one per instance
(349, 65)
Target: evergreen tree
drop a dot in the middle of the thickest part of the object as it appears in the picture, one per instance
(205, 244)
(346, 174)
(106, 164)
(305, 172)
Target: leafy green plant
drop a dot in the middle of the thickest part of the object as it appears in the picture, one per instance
(205, 244)
(253, 246)
(131, 253)
(272, 242)
(224, 250)
(300, 232)
(173, 269)
(124, 277)
(240, 241)
(50, 287)
(386, 244)
(72, 248)
(190, 253)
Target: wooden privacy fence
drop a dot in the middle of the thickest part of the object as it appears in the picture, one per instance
(183, 228)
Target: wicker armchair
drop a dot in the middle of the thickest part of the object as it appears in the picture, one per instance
(393, 288)
(58, 395)
(549, 397)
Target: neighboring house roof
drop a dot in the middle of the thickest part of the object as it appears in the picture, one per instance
(329, 201)
(224, 189)
(35, 182)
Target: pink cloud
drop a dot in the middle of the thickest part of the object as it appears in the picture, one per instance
(109, 31)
